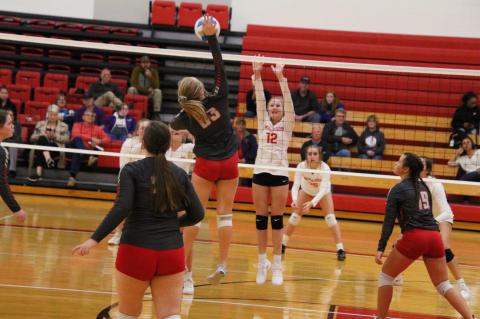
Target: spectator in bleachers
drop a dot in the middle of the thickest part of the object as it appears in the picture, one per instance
(247, 146)
(89, 105)
(252, 103)
(180, 148)
(305, 103)
(106, 92)
(371, 143)
(50, 132)
(65, 114)
(467, 157)
(6, 103)
(338, 136)
(329, 104)
(316, 136)
(466, 119)
(133, 145)
(120, 125)
(13, 152)
(85, 135)
(145, 81)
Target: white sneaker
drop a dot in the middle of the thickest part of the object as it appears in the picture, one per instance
(398, 281)
(464, 291)
(218, 275)
(188, 285)
(262, 272)
(115, 240)
(277, 275)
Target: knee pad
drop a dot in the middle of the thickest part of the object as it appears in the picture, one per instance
(124, 316)
(443, 287)
(173, 317)
(261, 222)
(449, 255)
(224, 221)
(330, 220)
(277, 222)
(198, 225)
(294, 219)
(385, 280)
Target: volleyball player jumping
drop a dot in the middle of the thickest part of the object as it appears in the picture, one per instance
(275, 123)
(206, 116)
(315, 188)
(410, 202)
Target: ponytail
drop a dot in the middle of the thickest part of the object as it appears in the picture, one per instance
(415, 166)
(190, 94)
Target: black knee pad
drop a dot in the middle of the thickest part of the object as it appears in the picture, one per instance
(449, 255)
(277, 222)
(261, 222)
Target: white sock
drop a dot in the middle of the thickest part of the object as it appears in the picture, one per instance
(285, 239)
(188, 274)
(277, 259)
(124, 316)
(461, 282)
(340, 246)
(262, 258)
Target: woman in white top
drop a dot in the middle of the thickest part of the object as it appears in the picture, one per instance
(275, 123)
(179, 149)
(444, 216)
(468, 158)
(132, 145)
(308, 190)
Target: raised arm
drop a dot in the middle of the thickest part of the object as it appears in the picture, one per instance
(220, 74)
(289, 117)
(259, 93)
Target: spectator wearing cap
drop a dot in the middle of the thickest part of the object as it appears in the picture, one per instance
(50, 132)
(89, 105)
(146, 81)
(305, 103)
(105, 92)
(329, 104)
(252, 103)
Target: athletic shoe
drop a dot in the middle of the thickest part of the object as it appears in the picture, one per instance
(341, 255)
(464, 291)
(92, 160)
(218, 275)
(115, 240)
(188, 284)
(398, 281)
(50, 163)
(71, 181)
(277, 274)
(34, 178)
(262, 272)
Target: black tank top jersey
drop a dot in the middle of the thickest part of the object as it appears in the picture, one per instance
(143, 227)
(5, 191)
(403, 205)
(216, 140)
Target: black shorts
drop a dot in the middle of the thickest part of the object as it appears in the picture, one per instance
(267, 179)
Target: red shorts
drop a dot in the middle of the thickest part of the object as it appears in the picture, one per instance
(144, 263)
(421, 242)
(214, 170)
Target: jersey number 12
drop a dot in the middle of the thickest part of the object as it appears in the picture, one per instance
(272, 138)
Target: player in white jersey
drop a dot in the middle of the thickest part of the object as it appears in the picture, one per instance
(308, 190)
(444, 216)
(179, 149)
(275, 123)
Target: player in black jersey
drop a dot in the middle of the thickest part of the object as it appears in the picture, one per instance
(206, 116)
(410, 202)
(151, 192)
(6, 131)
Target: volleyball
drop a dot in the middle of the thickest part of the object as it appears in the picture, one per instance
(199, 27)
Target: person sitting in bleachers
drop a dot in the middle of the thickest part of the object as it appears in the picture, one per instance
(247, 146)
(180, 148)
(467, 157)
(329, 104)
(50, 132)
(316, 139)
(305, 103)
(371, 143)
(85, 135)
(12, 151)
(6, 103)
(106, 92)
(466, 119)
(89, 105)
(251, 103)
(120, 125)
(338, 136)
(65, 114)
(145, 81)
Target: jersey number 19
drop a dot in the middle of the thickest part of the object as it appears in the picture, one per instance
(424, 203)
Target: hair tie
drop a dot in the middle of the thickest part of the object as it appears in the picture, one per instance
(182, 99)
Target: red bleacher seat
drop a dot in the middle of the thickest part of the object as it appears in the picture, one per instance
(126, 32)
(5, 76)
(163, 13)
(24, 134)
(59, 54)
(189, 13)
(118, 59)
(122, 84)
(90, 71)
(6, 63)
(7, 49)
(30, 78)
(84, 82)
(42, 24)
(73, 106)
(120, 74)
(46, 94)
(28, 65)
(31, 51)
(19, 92)
(97, 29)
(92, 57)
(36, 108)
(108, 111)
(59, 81)
(136, 114)
(110, 161)
(221, 13)
(10, 20)
(68, 26)
(139, 102)
(58, 68)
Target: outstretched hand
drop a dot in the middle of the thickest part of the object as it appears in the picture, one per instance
(208, 26)
(378, 257)
(278, 70)
(20, 216)
(84, 249)
(257, 66)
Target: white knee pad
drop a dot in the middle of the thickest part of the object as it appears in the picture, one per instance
(173, 317)
(294, 219)
(330, 220)
(124, 316)
(224, 221)
(443, 287)
(385, 280)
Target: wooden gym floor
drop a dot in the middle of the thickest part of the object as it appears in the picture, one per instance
(39, 278)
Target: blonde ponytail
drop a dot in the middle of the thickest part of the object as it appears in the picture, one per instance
(190, 92)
